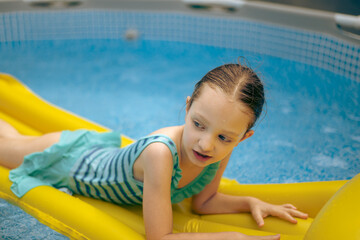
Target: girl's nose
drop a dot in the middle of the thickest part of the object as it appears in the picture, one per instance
(206, 144)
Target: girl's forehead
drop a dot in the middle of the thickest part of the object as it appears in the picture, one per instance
(220, 109)
(214, 94)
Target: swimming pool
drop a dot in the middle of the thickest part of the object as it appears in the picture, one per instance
(81, 61)
(310, 131)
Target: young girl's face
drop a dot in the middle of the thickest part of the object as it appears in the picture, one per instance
(214, 125)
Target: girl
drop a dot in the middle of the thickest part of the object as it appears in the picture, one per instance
(162, 168)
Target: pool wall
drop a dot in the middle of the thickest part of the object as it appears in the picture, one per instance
(302, 35)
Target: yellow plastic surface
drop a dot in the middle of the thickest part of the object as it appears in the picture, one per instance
(80, 217)
(339, 218)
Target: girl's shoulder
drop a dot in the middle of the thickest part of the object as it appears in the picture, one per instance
(174, 133)
(159, 152)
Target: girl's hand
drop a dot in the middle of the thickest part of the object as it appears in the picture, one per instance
(261, 210)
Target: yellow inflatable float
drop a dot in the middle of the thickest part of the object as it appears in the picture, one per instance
(333, 207)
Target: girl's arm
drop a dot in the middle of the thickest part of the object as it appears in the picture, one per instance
(209, 201)
(157, 208)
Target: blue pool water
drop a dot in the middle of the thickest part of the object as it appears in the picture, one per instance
(311, 130)
(16, 225)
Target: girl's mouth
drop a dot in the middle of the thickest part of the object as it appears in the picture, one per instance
(201, 157)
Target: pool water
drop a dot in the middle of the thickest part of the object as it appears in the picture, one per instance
(16, 225)
(310, 132)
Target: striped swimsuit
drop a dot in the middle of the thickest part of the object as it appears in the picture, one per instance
(106, 173)
(92, 164)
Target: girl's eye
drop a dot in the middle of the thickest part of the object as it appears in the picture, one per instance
(224, 138)
(198, 125)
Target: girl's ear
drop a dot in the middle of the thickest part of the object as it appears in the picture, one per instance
(187, 103)
(248, 134)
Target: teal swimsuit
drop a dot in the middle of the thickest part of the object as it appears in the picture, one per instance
(92, 164)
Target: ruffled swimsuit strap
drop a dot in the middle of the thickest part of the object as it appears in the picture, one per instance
(197, 185)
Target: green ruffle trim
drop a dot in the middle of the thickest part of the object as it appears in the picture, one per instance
(196, 186)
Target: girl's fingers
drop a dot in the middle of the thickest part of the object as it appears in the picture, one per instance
(288, 205)
(258, 218)
(284, 214)
(288, 217)
(299, 214)
(294, 212)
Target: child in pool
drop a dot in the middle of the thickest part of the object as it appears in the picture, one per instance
(162, 168)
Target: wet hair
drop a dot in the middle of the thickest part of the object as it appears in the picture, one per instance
(240, 83)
